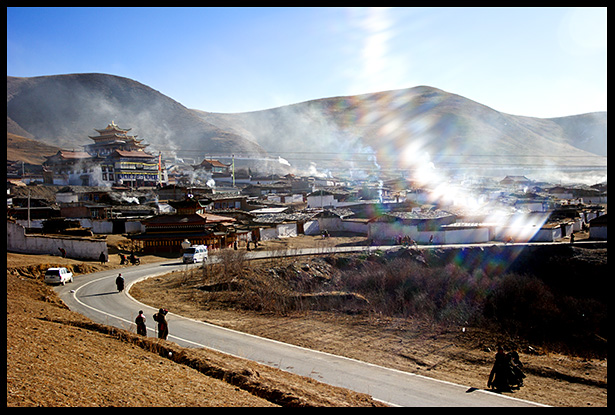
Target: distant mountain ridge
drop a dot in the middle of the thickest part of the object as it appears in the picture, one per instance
(422, 119)
(63, 110)
(394, 127)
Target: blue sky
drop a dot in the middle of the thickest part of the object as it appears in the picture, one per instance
(542, 62)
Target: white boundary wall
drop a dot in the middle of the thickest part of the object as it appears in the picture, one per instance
(79, 248)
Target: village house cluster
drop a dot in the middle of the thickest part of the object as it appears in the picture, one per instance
(115, 186)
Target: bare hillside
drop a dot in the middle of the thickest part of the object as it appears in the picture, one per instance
(387, 130)
(56, 357)
(27, 150)
(397, 126)
(63, 110)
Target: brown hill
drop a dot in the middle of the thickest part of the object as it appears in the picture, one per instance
(388, 130)
(27, 150)
(397, 125)
(63, 110)
(56, 357)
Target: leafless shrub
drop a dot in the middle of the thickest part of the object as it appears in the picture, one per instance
(233, 262)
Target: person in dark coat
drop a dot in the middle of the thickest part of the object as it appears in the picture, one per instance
(163, 326)
(140, 322)
(119, 282)
(499, 378)
(517, 369)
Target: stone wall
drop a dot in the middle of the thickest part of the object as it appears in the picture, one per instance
(75, 247)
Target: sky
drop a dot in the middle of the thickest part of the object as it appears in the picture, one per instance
(539, 62)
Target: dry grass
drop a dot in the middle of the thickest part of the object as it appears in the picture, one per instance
(242, 301)
(56, 357)
(97, 377)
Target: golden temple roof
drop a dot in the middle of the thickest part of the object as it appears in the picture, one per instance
(113, 127)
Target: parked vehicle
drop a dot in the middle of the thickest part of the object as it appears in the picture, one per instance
(58, 275)
(196, 253)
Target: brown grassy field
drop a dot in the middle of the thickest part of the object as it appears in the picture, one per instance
(56, 357)
(37, 320)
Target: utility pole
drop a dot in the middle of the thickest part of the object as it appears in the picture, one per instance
(28, 208)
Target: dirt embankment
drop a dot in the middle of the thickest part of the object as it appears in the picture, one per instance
(287, 308)
(56, 357)
(49, 346)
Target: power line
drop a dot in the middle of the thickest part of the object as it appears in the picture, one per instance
(365, 161)
(372, 154)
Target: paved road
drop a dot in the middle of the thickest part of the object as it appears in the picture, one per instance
(95, 296)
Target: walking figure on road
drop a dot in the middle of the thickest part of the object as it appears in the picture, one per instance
(119, 282)
(140, 322)
(163, 326)
(499, 378)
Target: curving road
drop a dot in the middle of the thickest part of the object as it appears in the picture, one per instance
(95, 296)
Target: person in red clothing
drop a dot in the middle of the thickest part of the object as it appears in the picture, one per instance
(163, 326)
(140, 322)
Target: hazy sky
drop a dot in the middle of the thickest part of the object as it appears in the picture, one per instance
(541, 62)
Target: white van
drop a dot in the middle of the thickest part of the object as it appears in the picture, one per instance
(58, 276)
(196, 253)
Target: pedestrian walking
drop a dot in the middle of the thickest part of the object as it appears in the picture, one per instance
(140, 322)
(517, 369)
(163, 326)
(501, 373)
(119, 282)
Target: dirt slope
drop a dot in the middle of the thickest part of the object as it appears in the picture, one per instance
(36, 319)
(462, 355)
(56, 357)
